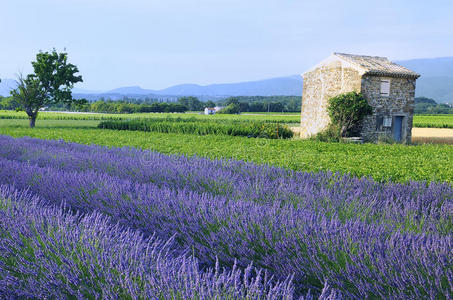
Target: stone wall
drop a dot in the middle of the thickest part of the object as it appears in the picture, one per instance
(320, 84)
(400, 102)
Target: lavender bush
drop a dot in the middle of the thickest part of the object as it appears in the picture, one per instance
(364, 238)
(49, 253)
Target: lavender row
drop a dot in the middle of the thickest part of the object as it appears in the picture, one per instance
(361, 259)
(416, 206)
(47, 252)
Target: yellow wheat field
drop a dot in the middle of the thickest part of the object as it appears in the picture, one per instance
(432, 135)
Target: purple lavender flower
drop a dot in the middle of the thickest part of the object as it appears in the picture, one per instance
(356, 236)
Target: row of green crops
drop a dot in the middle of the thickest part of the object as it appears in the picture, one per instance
(427, 121)
(381, 161)
(284, 118)
(202, 127)
(433, 121)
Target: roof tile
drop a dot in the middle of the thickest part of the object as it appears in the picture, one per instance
(376, 65)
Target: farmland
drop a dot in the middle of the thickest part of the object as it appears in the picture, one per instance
(317, 226)
(184, 215)
(426, 121)
(382, 162)
(433, 121)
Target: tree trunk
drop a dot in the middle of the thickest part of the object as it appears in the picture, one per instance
(32, 115)
(32, 121)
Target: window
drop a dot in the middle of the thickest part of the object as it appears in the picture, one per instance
(385, 87)
(383, 122)
(387, 122)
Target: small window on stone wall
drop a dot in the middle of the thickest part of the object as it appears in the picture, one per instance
(387, 121)
(385, 87)
(383, 123)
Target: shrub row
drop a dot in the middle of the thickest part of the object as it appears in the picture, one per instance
(234, 128)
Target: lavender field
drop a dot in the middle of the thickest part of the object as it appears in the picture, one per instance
(92, 221)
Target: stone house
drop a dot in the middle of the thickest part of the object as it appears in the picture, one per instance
(388, 87)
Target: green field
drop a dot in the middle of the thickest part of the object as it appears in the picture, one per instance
(433, 121)
(23, 123)
(381, 161)
(429, 121)
(286, 118)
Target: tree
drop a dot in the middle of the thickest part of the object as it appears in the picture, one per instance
(231, 109)
(30, 96)
(192, 103)
(8, 103)
(346, 111)
(231, 100)
(243, 106)
(51, 83)
(425, 100)
(210, 103)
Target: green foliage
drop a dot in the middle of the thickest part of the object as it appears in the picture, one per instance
(192, 103)
(283, 118)
(123, 107)
(383, 162)
(267, 103)
(231, 100)
(203, 127)
(9, 103)
(425, 105)
(30, 96)
(433, 121)
(346, 111)
(51, 83)
(419, 100)
(233, 108)
(330, 134)
(210, 103)
(56, 76)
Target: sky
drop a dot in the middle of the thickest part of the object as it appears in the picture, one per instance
(157, 44)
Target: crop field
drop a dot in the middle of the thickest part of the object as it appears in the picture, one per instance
(134, 219)
(283, 118)
(422, 121)
(91, 212)
(433, 121)
(248, 128)
(382, 162)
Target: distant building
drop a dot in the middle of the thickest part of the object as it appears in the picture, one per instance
(209, 111)
(388, 87)
(212, 110)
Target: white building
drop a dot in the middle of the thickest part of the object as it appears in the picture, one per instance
(212, 110)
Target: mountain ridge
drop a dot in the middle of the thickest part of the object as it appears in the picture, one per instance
(436, 82)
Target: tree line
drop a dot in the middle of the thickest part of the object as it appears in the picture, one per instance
(424, 105)
(183, 104)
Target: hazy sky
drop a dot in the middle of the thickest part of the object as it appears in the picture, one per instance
(156, 44)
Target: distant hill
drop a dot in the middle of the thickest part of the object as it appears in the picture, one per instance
(430, 67)
(437, 77)
(436, 82)
(287, 86)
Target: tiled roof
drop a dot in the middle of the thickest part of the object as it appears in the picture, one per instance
(375, 65)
